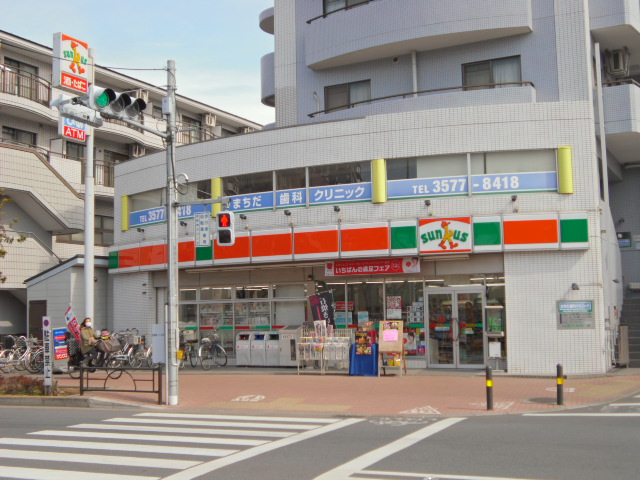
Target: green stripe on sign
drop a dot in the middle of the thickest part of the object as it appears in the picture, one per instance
(204, 253)
(114, 260)
(574, 230)
(404, 237)
(486, 233)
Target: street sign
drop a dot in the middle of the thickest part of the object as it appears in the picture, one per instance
(72, 129)
(72, 69)
(48, 364)
(203, 229)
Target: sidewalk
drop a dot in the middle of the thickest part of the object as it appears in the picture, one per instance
(420, 392)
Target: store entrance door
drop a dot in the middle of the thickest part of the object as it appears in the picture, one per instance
(455, 326)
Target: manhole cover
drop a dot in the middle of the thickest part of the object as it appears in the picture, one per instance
(544, 400)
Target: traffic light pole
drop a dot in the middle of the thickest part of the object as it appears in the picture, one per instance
(89, 230)
(172, 242)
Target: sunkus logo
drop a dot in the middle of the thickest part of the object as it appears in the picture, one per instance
(445, 235)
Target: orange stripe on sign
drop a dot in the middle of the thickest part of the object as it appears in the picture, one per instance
(186, 251)
(316, 242)
(530, 232)
(129, 258)
(153, 255)
(354, 240)
(270, 245)
(240, 249)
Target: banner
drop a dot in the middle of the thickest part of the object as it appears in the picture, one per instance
(72, 324)
(322, 307)
(372, 266)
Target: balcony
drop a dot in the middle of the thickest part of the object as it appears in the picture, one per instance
(622, 120)
(384, 29)
(451, 97)
(267, 20)
(25, 95)
(268, 83)
(615, 23)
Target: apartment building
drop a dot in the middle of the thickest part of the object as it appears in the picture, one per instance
(43, 174)
(467, 167)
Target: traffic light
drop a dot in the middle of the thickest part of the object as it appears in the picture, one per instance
(111, 103)
(225, 229)
(80, 113)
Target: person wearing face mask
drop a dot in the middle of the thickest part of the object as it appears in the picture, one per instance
(89, 338)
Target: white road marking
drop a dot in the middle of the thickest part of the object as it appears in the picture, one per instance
(436, 476)
(204, 431)
(237, 417)
(127, 447)
(204, 423)
(208, 467)
(150, 438)
(97, 459)
(624, 404)
(357, 464)
(582, 414)
(428, 410)
(40, 474)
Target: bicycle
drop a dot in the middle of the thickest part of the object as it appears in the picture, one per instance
(23, 354)
(187, 350)
(211, 352)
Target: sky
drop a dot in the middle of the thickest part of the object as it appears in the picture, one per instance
(216, 44)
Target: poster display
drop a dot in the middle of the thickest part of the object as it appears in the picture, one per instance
(322, 307)
(391, 336)
(394, 308)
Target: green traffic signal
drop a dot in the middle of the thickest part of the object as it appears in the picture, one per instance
(102, 100)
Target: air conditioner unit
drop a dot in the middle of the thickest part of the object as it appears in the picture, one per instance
(210, 120)
(617, 62)
(136, 150)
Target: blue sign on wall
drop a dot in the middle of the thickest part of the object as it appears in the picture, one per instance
(291, 198)
(352, 192)
(158, 214)
(251, 201)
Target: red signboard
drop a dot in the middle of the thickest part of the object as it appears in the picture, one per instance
(372, 266)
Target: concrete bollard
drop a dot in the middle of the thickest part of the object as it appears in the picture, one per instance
(560, 384)
(489, 375)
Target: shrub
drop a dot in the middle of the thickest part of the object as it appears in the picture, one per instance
(22, 385)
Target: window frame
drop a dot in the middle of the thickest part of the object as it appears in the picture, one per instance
(347, 86)
(490, 63)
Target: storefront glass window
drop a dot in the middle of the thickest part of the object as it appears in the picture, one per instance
(187, 294)
(253, 314)
(252, 291)
(290, 291)
(213, 293)
(366, 297)
(216, 314)
(289, 313)
(188, 315)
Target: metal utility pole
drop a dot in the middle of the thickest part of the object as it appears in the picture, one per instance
(89, 222)
(172, 241)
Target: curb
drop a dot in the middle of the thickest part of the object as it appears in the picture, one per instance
(76, 401)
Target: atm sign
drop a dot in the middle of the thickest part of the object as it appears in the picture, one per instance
(73, 129)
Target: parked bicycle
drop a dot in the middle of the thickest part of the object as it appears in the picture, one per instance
(211, 352)
(187, 349)
(21, 354)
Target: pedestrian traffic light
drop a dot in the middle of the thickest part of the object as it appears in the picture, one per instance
(225, 230)
(111, 103)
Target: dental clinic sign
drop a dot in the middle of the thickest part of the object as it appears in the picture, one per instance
(445, 235)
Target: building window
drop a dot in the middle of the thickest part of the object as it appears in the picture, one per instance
(251, 183)
(191, 136)
(115, 157)
(146, 200)
(333, 5)
(491, 72)
(103, 233)
(339, 174)
(513, 162)
(338, 97)
(19, 136)
(76, 150)
(291, 178)
(156, 112)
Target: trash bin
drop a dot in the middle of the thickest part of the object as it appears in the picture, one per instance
(289, 337)
(258, 349)
(273, 349)
(243, 350)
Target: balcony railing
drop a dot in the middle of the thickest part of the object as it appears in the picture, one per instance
(102, 173)
(348, 7)
(25, 85)
(420, 92)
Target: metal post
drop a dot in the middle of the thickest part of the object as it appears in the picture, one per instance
(172, 242)
(560, 384)
(89, 222)
(489, 375)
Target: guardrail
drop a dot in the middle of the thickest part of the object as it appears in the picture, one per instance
(107, 375)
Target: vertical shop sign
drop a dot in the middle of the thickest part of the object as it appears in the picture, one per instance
(322, 307)
(72, 70)
(60, 350)
(48, 364)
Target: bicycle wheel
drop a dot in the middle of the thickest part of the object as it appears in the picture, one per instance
(137, 359)
(7, 361)
(149, 357)
(115, 363)
(36, 362)
(72, 368)
(193, 356)
(206, 359)
(219, 356)
(22, 361)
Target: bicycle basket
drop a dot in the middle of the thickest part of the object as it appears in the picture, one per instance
(108, 346)
(132, 339)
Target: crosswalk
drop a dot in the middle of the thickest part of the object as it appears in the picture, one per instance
(150, 446)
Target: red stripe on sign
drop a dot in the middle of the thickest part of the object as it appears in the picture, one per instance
(271, 245)
(316, 242)
(240, 249)
(129, 257)
(530, 232)
(354, 240)
(153, 255)
(186, 251)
